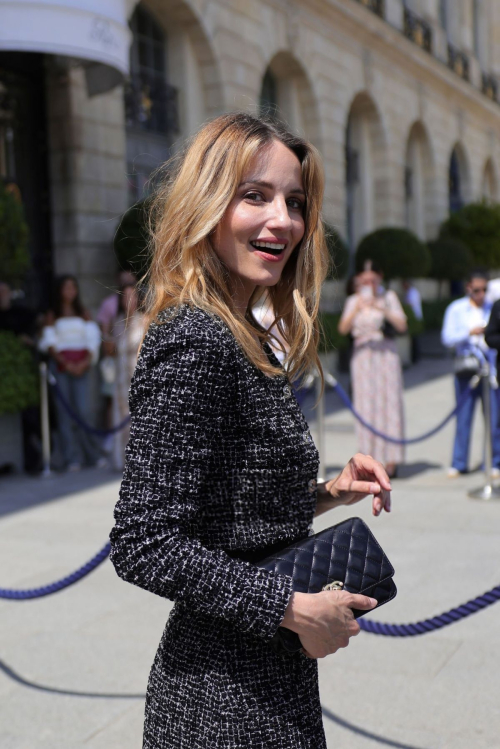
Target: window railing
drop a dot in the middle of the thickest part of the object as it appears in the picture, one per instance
(151, 104)
(376, 6)
(489, 86)
(458, 62)
(418, 30)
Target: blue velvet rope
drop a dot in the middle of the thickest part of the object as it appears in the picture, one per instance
(345, 398)
(436, 622)
(91, 430)
(373, 627)
(65, 582)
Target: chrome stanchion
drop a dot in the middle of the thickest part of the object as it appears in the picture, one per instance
(320, 421)
(330, 381)
(488, 491)
(44, 415)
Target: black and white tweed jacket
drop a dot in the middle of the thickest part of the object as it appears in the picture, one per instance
(220, 462)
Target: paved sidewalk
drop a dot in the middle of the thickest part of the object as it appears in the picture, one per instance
(74, 666)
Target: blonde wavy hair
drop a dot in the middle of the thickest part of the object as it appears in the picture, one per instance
(184, 268)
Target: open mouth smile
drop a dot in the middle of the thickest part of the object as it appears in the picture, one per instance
(274, 250)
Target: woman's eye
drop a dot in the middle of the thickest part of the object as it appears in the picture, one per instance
(296, 204)
(255, 197)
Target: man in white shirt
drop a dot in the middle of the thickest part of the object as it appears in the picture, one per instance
(463, 329)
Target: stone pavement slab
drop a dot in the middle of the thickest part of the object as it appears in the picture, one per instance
(74, 666)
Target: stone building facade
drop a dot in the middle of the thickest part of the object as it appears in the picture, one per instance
(401, 98)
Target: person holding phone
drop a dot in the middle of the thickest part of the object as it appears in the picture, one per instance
(463, 330)
(372, 316)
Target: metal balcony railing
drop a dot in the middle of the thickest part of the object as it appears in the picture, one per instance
(151, 104)
(376, 6)
(458, 62)
(489, 86)
(418, 30)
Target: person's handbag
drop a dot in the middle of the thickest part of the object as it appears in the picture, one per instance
(346, 556)
(466, 365)
(389, 331)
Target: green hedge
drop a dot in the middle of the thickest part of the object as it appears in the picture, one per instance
(14, 251)
(339, 254)
(330, 339)
(19, 384)
(477, 225)
(399, 252)
(434, 313)
(415, 326)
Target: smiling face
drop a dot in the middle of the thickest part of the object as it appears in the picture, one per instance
(263, 223)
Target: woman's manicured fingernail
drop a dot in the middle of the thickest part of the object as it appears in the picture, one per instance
(374, 488)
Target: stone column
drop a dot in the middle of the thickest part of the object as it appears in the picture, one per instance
(88, 179)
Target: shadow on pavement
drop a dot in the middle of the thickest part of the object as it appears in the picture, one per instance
(362, 732)
(408, 470)
(11, 674)
(20, 492)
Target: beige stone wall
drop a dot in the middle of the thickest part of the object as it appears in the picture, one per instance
(87, 172)
(331, 58)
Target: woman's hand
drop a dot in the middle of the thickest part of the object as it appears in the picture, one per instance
(324, 621)
(361, 477)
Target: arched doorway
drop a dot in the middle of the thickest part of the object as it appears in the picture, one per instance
(489, 188)
(366, 178)
(287, 94)
(458, 179)
(418, 182)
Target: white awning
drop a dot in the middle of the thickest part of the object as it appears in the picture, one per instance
(92, 30)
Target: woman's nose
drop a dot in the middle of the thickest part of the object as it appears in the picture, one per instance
(279, 215)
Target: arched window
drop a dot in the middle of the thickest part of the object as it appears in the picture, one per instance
(147, 92)
(150, 103)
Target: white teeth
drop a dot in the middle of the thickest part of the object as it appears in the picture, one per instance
(269, 245)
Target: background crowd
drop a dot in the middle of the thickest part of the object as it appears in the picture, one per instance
(93, 363)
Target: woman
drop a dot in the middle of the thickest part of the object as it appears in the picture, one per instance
(373, 316)
(72, 341)
(220, 465)
(127, 331)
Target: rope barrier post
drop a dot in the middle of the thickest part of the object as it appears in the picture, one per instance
(488, 491)
(44, 417)
(320, 437)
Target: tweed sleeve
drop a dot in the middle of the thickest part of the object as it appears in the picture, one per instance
(181, 393)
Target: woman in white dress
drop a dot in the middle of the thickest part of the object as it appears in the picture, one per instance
(72, 341)
(372, 315)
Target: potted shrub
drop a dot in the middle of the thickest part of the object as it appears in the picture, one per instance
(451, 260)
(477, 225)
(399, 252)
(19, 388)
(14, 251)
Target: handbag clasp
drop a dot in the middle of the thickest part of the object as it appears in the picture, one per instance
(335, 585)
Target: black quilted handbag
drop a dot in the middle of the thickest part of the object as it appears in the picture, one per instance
(346, 556)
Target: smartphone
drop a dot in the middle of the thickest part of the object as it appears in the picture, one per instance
(366, 291)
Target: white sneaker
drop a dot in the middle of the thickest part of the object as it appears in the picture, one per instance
(495, 473)
(453, 473)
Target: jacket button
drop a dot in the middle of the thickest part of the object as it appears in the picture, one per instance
(312, 485)
(287, 391)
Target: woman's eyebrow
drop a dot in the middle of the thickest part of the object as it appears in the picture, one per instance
(269, 186)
